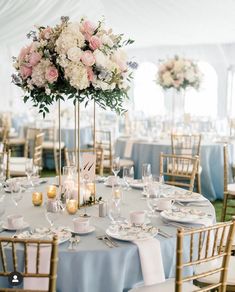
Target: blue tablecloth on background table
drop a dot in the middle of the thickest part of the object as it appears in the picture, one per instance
(211, 161)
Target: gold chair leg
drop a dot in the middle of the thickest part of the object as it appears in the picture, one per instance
(198, 179)
(224, 208)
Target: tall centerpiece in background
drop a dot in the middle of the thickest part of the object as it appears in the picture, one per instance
(175, 76)
(82, 61)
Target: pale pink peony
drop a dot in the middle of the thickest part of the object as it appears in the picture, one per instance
(95, 42)
(88, 27)
(25, 71)
(46, 33)
(88, 58)
(34, 58)
(90, 74)
(51, 74)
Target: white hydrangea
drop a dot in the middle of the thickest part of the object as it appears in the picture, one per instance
(179, 66)
(190, 75)
(38, 73)
(74, 54)
(167, 78)
(101, 59)
(103, 85)
(77, 75)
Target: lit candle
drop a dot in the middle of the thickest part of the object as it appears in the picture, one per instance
(117, 194)
(72, 206)
(51, 192)
(37, 198)
(91, 187)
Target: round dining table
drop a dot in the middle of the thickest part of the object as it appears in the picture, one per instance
(211, 160)
(93, 266)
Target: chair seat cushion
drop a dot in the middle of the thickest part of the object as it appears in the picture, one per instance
(212, 279)
(126, 162)
(231, 189)
(49, 145)
(184, 168)
(167, 286)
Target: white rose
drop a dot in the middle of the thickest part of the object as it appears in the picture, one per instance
(74, 54)
(101, 59)
(106, 40)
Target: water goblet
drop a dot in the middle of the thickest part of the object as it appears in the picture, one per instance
(128, 176)
(52, 211)
(146, 176)
(16, 191)
(29, 170)
(114, 213)
(116, 165)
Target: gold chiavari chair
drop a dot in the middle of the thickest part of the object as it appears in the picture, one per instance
(204, 257)
(9, 258)
(229, 190)
(178, 170)
(70, 158)
(5, 163)
(104, 141)
(188, 145)
(38, 148)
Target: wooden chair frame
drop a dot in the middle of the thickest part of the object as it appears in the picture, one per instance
(12, 242)
(188, 145)
(7, 152)
(106, 145)
(207, 251)
(179, 169)
(227, 196)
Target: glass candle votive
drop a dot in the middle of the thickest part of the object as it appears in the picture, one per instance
(91, 187)
(51, 192)
(37, 198)
(72, 206)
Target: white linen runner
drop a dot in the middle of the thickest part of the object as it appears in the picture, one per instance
(151, 261)
(44, 267)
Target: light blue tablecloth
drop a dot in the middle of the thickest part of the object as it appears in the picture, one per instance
(211, 161)
(94, 267)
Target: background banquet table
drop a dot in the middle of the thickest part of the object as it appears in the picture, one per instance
(94, 266)
(212, 176)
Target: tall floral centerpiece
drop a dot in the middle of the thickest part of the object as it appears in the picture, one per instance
(82, 61)
(175, 76)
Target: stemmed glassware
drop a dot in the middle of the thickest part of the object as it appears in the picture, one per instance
(114, 213)
(128, 176)
(16, 191)
(29, 170)
(52, 211)
(116, 165)
(146, 176)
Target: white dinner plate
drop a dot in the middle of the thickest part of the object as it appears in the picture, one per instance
(90, 230)
(132, 233)
(45, 234)
(185, 215)
(6, 227)
(186, 197)
(137, 184)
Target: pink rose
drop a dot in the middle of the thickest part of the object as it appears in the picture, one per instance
(90, 74)
(88, 58)
(88, 27)
(95, 42)
(23, 53)
(46, 33)
(25, 71)
(51, 74)
(34, 58)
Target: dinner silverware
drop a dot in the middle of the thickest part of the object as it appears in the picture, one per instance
(106, 241)
(112, 242)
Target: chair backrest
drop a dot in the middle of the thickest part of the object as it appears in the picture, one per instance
(204, 255)
(232, 128)
(226, 165)
(104, 141)
(70, 157)
(10, 259)
(179, 170)
(37, 152)
(187, 145)
(30, 141)
(5, 163)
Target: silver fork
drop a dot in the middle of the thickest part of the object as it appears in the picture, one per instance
(105, 240)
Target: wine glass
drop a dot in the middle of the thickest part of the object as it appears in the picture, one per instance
(16, 191)
(128, 176)
(51, 211)
(146, 176)
(152, 198)
(114, 213)
(116, 166)
(29, 170)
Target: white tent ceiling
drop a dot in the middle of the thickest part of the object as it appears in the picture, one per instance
(148, 22)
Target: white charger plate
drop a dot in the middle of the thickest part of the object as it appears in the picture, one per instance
(185, 197)
(90, 230)
(6, 227)
(184, 215)
(128, 235)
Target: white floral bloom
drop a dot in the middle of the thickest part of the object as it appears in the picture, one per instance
(76, 74)
(103, 85)
(38, 73)
(179, 66)
(101, 59)
(106, 40)
(63, 61)
(48, 91)
(167, 78)
(190, 75)
(74, 54)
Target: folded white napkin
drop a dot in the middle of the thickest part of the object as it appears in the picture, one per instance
(128, 148)
(151, 261)
(44, 267)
